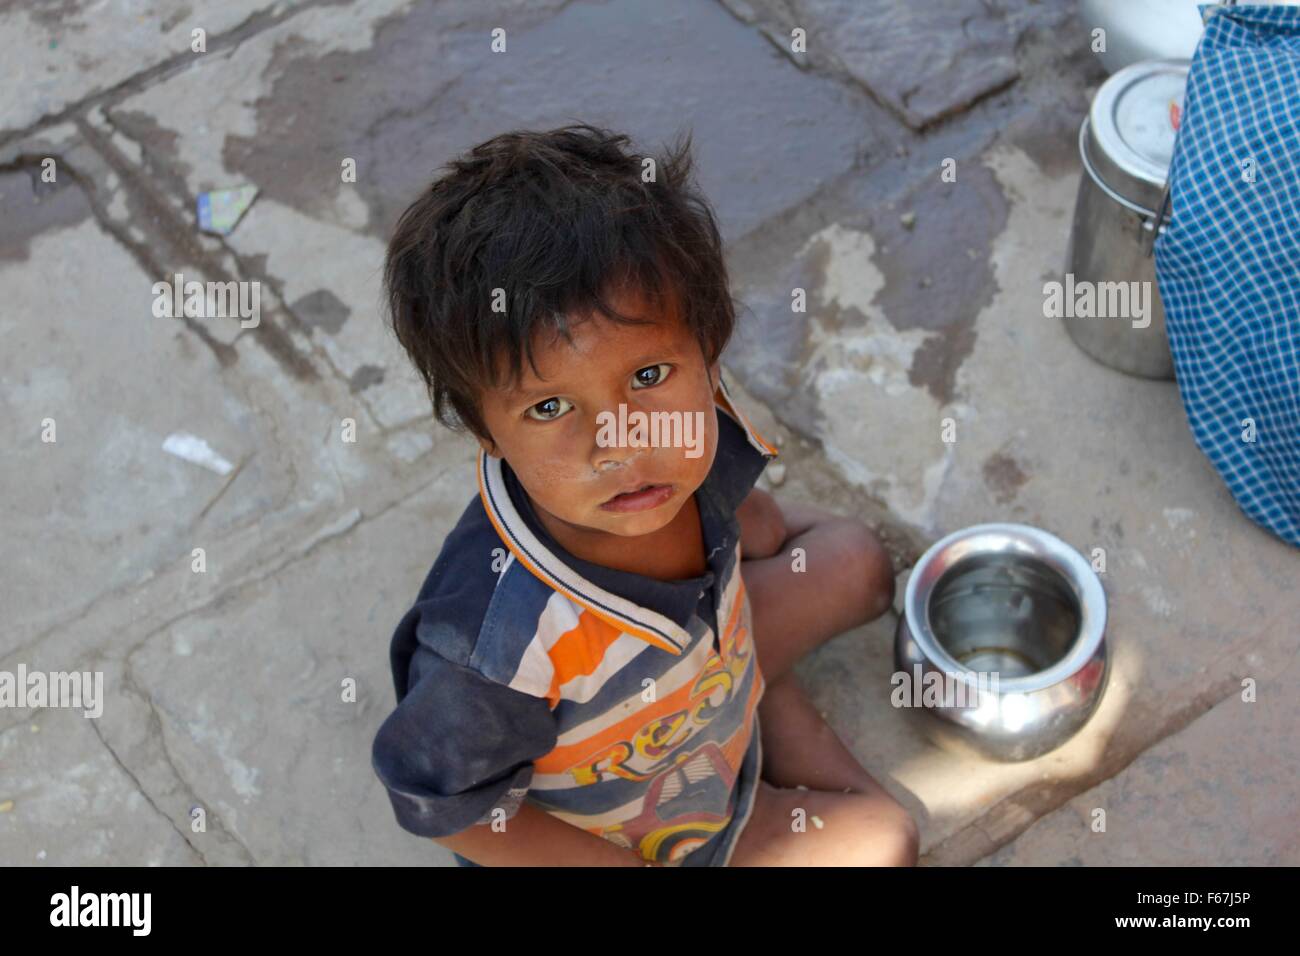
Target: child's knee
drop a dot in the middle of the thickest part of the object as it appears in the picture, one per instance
(894, 838)
(900, 844)
(909, 834)
(863, 566)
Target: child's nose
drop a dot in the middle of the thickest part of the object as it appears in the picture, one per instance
(614, 458)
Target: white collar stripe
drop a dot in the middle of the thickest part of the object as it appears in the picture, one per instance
(560, 576)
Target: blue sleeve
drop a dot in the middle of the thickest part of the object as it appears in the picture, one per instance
(458, 746)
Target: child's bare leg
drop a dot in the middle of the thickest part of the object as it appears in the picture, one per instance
(847, 580)
(799, 747)
(856, 830)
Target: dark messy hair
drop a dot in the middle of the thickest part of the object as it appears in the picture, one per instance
(555, 221)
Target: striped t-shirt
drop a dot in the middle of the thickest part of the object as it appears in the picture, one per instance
(618, 703)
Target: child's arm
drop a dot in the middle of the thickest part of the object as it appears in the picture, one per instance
(533, 837)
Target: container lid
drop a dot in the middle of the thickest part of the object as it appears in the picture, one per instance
(1134, 122)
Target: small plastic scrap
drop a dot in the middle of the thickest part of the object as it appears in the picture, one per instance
(221, 209)
(196, 450)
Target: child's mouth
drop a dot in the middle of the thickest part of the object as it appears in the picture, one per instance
(647, 497)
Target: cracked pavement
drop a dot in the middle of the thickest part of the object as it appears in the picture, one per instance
(925, 303)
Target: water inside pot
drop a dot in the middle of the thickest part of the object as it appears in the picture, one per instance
(1004, 614)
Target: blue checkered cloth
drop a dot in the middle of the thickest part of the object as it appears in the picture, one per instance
(1228, 264)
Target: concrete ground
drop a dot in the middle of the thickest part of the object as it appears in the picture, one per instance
(925, 302)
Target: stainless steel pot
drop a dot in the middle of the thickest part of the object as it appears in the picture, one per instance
(1125, 144)
(1013, 601)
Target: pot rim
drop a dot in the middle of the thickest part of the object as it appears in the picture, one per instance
(1109, 152)
(1022, 539)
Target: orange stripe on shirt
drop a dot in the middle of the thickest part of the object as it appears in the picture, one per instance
(579, 651)
(562, 758)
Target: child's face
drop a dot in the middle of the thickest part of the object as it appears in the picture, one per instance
(549, 431)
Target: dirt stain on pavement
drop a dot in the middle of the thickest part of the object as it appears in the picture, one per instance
(1004, 476)
(379, 107)
(29, 206)
(934, 252)
(321, 309)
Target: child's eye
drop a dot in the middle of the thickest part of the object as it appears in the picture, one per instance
(642, 380)
(549, 410)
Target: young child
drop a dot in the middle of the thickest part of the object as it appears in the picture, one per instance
(597, 669)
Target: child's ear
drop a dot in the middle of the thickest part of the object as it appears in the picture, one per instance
(489, 446)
